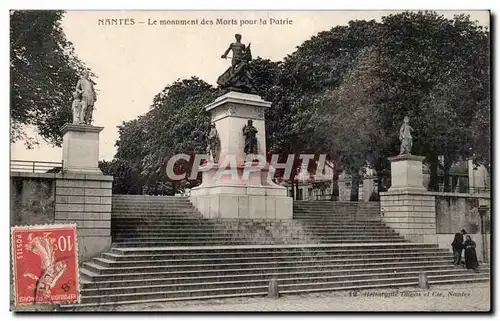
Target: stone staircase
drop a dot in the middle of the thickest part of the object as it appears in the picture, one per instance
(163, 250)
(344, 222)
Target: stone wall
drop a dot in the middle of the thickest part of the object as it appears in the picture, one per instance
(84, 199)
(434, 217)
(32, 199)
(457, 212)
(461, 211)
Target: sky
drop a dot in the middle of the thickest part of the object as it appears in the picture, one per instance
(135, 62)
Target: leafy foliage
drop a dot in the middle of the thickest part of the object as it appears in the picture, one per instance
(436, 71)
(44, 70)
(343, 93)
(176, 123)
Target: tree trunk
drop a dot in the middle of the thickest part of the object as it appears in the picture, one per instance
(380, 182)
(433, 167)
(356, 179)
(454, 182)
(174, 189)
(446, 175)
(335, 186)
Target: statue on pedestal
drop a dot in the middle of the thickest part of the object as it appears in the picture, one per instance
(77, 109)
(214, 143)
(405, 137)
(250, 133)
(237, 77)
(85, 87)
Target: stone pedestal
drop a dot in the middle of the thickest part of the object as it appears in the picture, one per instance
(407, 206)
(83, 193)
(81, 148)
(406, 173)
(85, 199)
(225, 191)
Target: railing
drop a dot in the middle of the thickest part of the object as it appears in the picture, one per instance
(479, 190)
(35, 166)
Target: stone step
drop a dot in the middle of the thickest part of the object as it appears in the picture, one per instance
(342, 218)
(160, 210)
(159, 286)
(351, 223)
(347, 209)
(166, 209)
(269, 241)
(121, 200)
(241, 274)
(302, 286)
(258, 256)
(238, 268)
(118, 255)
(270, 263)
(328, 209)
(332, 205)
(347, 222)
(184, 221)
(317, 275)
(226, 237)
(244, 232)
(221, 236)
(148, 211)
(342, 288)
(135, 221)
(337, 219)
(152, 204)
(236, 229)
(151, 207)
(157, 218)
(340, 248)
(127, 234)
(148, 216)
(282, 283)
(333, 214)
(338, 214)
(336, 203)
(166, 212)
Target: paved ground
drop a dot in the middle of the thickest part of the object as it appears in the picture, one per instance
(461, 297)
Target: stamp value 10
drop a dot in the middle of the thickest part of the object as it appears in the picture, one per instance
(45, 264)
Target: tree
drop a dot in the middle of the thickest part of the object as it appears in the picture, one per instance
(344, 93)
(176, 123)
(126, 178)
(349, 120)
(44, 70)
(319, 64)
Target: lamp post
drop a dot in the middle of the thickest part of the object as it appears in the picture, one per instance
(483, 209)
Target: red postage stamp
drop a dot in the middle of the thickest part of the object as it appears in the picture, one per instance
(45, 264)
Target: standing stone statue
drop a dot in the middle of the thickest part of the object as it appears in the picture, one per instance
(77, 109)
(250, 133)
(214, 143)
(86, 88)
(237, 77)
(405, 136)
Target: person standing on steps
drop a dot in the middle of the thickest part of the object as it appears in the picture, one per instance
(458, 246)
(470, 254)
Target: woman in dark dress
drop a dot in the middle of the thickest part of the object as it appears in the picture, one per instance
(470, 254)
